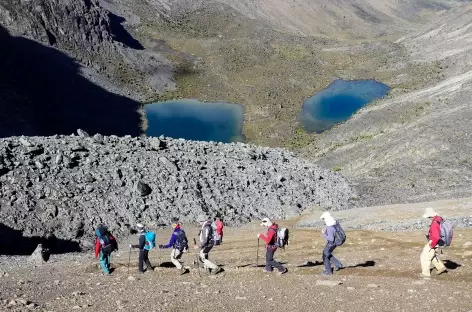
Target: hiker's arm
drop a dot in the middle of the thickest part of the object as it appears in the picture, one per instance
(434, 234)
(172, 240)
(205, 236)
(97, 247)
(267, 238)
(329, 234)
(115, 242)
(141, 243)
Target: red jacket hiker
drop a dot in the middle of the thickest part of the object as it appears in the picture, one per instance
(98, 246)
(219, 227)
(435, 231)
(271, 235)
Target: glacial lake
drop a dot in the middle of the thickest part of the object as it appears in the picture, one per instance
(194, 120)
(339, 101)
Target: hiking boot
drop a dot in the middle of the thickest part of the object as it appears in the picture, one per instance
(326, 273)
(216, 271)
(425, 275)
(265, 271)
(184, 271)
(283, 272)
(444, 270)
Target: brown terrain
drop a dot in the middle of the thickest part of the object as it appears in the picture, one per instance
(381, 274)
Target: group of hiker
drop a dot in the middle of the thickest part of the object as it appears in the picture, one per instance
(211, 234)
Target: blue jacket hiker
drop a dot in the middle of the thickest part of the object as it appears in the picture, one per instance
(145, 244)
(329, 235)
(179, 244)
(105, 244)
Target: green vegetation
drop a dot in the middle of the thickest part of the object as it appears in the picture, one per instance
(272, 73)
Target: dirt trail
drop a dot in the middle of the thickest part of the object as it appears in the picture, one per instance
(381, 274)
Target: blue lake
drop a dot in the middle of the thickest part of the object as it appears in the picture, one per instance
(195, 120)
(339, 101)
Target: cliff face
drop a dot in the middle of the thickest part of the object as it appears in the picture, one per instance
(80, 27)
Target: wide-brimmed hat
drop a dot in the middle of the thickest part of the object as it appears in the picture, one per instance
(266, 222)
(202, 218)
(429, 213)
(325, 215)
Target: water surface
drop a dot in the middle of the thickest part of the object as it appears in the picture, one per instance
(339, 101)
(195, 120)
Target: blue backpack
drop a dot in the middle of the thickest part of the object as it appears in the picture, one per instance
(150, 240)
(181, 242)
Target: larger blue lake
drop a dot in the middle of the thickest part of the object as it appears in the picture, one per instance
(339, 101)
(195, 120)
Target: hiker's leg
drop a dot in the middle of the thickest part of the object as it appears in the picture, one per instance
(334, 260)
(426, 256)
(269, 259)
(103, 263)
(174, 257)
(438, 263)
(108, 259)
(204, 257)
(146, 260)
(326, 257)
(276, 264)
(141, 260)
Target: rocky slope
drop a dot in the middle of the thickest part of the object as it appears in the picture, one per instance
(67, 185)
(414, 145)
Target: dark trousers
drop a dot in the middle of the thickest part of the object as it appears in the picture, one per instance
(328, 258)
(144, 258)
(270, 262)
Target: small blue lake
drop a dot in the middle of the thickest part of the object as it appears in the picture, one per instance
(195, 120)
(339, 101)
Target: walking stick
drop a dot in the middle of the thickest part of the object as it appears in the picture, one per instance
(196, 256)
(158, 250)
(129, 258)
(257, 254)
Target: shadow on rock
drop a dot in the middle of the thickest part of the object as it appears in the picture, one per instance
(43, 92)
(121, 34)
(12, 242)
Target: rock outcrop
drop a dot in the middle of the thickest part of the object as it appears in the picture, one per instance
(67, 185)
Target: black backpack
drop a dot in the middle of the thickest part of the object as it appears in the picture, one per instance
(339, 235)
(107, 242)
(182, 242)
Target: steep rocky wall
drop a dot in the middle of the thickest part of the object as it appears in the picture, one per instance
(80, 27)
(95, 38)
(67, 185)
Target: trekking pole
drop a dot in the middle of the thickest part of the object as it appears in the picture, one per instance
(129, 259)
(196, 256)
(257, 254)
(158, 250)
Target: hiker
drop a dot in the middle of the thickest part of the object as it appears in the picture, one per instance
(105, 244)
(206, 244)
(179, 243)
(430, 250)
(329, 235)
(271, 246)
(145, 245)
(218, 230)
